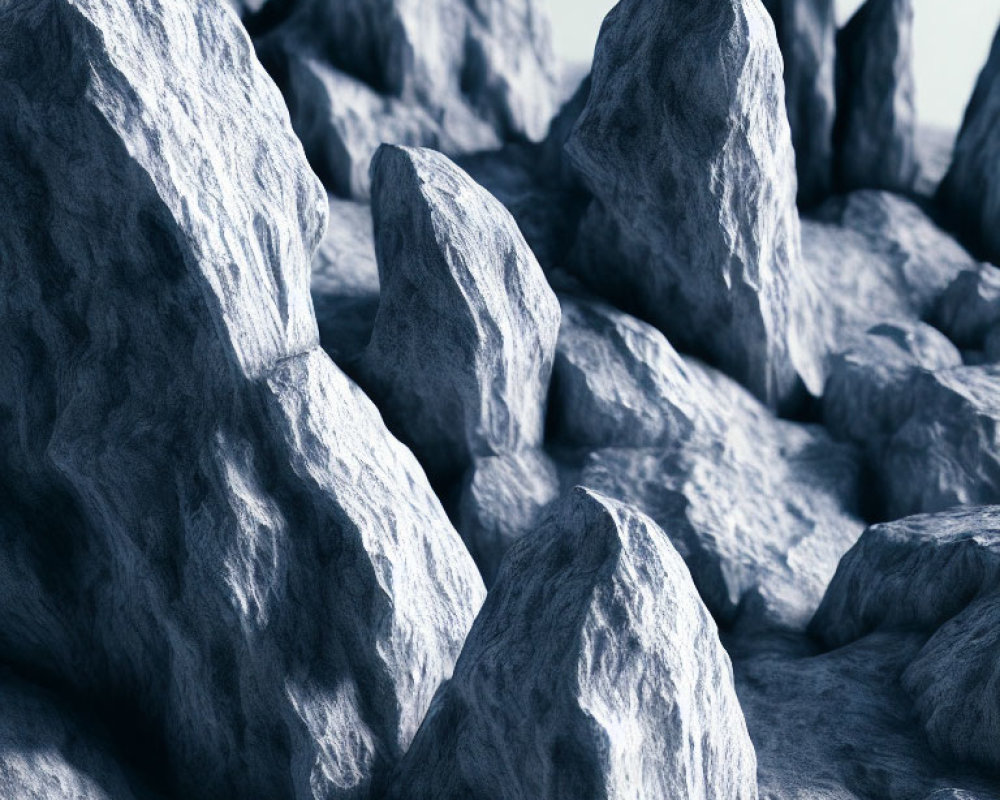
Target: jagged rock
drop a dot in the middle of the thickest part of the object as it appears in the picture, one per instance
(449, 74)
(503, 498)
(867, 395)
(344, 284)
(806, 32)
(839, 725)
(593, 670)
(48, 752)
(970, 192)
(223, 541)
(934, 146)
(875, 132)
(948, 451)
(970, 306)
(684, 142)
(462, 350)
(758, 507)
(939, 575)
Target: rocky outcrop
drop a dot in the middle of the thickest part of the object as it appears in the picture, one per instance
(593, 670)
(970, 307)
(684, 143)
(970, 192)
(212, 530)
(867, 395)
(806, 31)
(462, 350)
(759, 508)
(449, 74)
(876, 118)
(502, 499)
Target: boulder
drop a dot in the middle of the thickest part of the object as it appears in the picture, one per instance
(806, 32)
(461, 354)
(502, 499)
(970, 192)
(970, 307)
(222, 540)
(875, 132)
(454, 75)
(593, 670)
(684, 143)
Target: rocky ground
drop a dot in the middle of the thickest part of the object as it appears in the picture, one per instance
(375, 429)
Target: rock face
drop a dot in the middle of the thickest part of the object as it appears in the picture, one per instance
(938, 574)
(455, 75)
(876, 117)
(694, 224)
(759, 508)
(806, 31)
(462, 350)
(970, 307)
(212, 529)
(592, 630)
(970, 191)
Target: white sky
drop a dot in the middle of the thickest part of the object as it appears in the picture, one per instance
(951, 42)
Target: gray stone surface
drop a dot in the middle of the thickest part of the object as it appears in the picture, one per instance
(455, 75)
(867, 395)
(593, 670)
(760, 508)
(970, 307)
(502, 499)
(970, 191)
(684, 142)
(207, 525)
(806, 31)
(462, 350)
(875, 131)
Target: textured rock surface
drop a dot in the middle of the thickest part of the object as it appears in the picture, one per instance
(215, 533)
(344, 285)
(758, 507)
(50, 753)
(867, 395)
(970, 191)
(502, 499)
(455, 75)
(970, 306)
(593, 670)
(806, 31)
(876, 117)
(694, 225)
(462, 350)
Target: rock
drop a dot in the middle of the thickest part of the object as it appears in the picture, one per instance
(934, 146)
(875, 132)
(867, 395)
(806, 32)
(947, 452)
(228, 547)
(839, 725)
(48, 752)
(593, 670)
(694, 225)
(503, 498)
(970, 192)
(970, 306)
(450, 74)
(939, 575)
(759, 508)
(344, 284)
(462, 350)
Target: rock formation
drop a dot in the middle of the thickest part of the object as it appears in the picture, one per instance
(876, 119)
(970, 307)
(684, 143)
(806, 32)
(462, 350)
(455, 75)
(970, 191)
(593, 670)
(215, 533)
